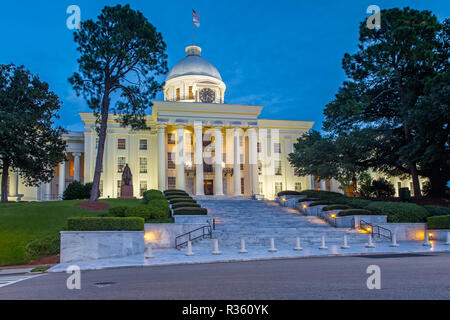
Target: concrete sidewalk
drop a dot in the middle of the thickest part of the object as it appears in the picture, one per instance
(174, 257)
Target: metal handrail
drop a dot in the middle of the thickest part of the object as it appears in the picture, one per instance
(204, 234)
(375, 229)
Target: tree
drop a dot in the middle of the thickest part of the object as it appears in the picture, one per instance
(121, 54)
(29, 141)
(387, 78)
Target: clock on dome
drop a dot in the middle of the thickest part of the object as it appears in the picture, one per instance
(207, 95)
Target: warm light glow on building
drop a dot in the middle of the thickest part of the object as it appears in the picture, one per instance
(305, 206)
(333, 215)
(149, 236)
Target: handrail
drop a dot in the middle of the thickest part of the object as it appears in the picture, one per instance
(375, 229)
(204, 234)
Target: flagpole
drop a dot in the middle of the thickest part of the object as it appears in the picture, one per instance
(192, 21)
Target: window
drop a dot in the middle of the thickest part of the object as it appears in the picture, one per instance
(278, 168)
(261, 188)
(171, 160)
(191, 93)
(277, 147)
(188, 139)
(298, 186)
(143, 144)
(242, 185)
(258, 147)
(278, 187)
(120, 164)
(242, 162)
(259, 167)
(189, 158)
(121, 144)
(178, 94)
(172, 182)
(119, 185)
(171, 138)
(142, 187)
(142, 165)
(100, 188)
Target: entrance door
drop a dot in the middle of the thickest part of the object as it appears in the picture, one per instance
(209, 189)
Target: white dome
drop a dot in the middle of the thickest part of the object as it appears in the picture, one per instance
(193, 64)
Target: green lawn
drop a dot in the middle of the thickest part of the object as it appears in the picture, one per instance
(23, 222)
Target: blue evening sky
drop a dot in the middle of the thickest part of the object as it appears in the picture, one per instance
(284, 54)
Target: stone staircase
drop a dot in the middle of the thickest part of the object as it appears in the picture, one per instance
(258, 221)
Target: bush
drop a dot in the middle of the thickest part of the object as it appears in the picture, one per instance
(323, 195)
(159, 209)
(437, 210)
(74, 191)
(174, 191)
(438, 222)
(404, 194)
(382, 188)
(143, 211)
(104, 224)
(190, 211)
(87, 190)
(319, 203)
(173, 196)
(308, 199)
(336, 207)
(185, 205)
(45, 246)
(288, 193)
(353, 212)
(178, 200)
(356, 203)
(152, 194)
(117, 211)
(399, 211)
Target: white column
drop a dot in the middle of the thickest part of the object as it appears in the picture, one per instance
(14, 184)
(253, 161)
(76, 166)
(237, 160)
(161, 158)
(218, 159)
(62, 179)
(323, 186)
(180, 158)
(198, 133)
(48, 191)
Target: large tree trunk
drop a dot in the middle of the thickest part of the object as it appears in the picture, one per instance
(415, 181)
(101, 147)
(437, 181)
(5, 172)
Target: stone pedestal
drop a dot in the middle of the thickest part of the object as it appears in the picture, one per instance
(126, 192)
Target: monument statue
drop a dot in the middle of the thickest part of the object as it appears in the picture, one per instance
(126, 188)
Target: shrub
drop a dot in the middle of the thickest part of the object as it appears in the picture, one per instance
(158, 203)
(143, 211)
(353, 212)
(382, 188)
(437, 210)
(45, 246)
(336, 207)
(173, 196)
(404, 194)
(399, 211)
(177, 200)
(190, 211)
(159, 209)
(117, 211)
(438, 222)
(103, 224)
(319, 203)
(308, 199)
(174, 191)
(152, 194)
(356, 203)
(323, 195)
(185, 204)
(75, 190)
(87, 190)
(288, 193)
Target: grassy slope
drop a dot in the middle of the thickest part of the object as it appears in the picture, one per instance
(25, 221)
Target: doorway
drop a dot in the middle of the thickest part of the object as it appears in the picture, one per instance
(208, 186)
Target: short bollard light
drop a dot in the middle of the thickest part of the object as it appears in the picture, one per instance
(394, 241)
(297, 245)
(323, 246)
(216, 247)
(189, 249)
(304, 206)
(427, 241)
(243, 250)
(345, 245)
(370, 244)
(284, 199)
(369, 229)
(148, 251)
(448, 239)
(272, 245)
(333, 215)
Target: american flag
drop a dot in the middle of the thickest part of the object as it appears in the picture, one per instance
(195, 18)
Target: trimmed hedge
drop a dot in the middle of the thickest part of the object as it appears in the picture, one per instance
(336, 207)
(174, 191)
(353, 212)
(319, 203)
(437, 210)
(152, 195)
(355, 202)
(143, 211)
(323, 195)
(288, 193)
(174, 196)
(308, 199)
(399, 211)
(104, 224)
(185, 205)
(178, 200)
(45, 246)
(438, 222)
(117, 211)
(190, 211)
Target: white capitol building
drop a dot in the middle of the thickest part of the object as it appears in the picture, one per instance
(197, 142)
